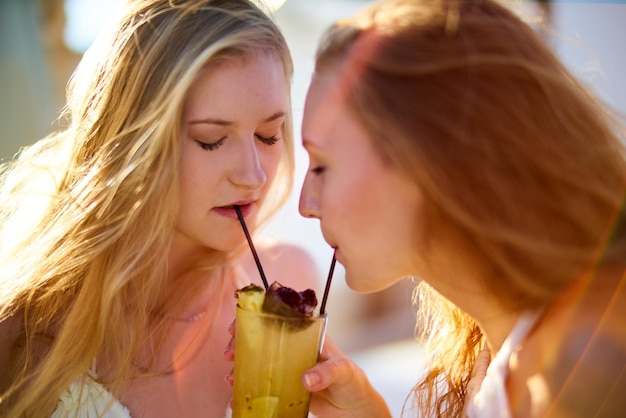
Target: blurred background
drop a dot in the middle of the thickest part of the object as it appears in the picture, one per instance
(41, 41)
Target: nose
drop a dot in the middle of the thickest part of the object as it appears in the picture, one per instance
(309, 202)
(248, 172)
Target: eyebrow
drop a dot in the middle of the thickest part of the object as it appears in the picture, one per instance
(223, 122)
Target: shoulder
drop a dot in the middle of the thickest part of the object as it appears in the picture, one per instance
(287, 263)
(282, 252)
(587, 369)
(588, 374)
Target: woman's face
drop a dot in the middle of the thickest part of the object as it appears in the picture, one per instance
(368, 211)
(232, 144)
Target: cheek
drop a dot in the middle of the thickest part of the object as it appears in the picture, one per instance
(270, 160)
(198, 174)
(346, 197)
(192, 192)
(188, 173)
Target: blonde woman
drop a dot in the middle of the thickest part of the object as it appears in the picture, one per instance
(448, 143)
(120, 248)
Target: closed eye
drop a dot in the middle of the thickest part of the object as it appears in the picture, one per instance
(210, 146)
(268, 140)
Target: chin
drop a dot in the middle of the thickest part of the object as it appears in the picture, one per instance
(369, 282)
(227, 244)
(235, 246)
(362, 283)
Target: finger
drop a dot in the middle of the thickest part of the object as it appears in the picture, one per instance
(231, 328)
(478, 372)
(229, 379)
(482, 363)
(229, 352)
(336, 370)
(330, 350)
(339, 385)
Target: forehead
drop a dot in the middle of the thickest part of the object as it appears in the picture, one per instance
(330, 125)
(241, 84)
(325, 98)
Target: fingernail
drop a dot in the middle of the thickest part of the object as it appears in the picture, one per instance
(311, 379)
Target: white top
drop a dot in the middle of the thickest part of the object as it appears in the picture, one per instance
(86, 398)
(491, 400)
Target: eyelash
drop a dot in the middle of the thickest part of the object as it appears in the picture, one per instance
(211, 146)
(268, 141)
(318, 170)
(215, 145)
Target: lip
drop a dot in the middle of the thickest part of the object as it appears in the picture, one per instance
(337, 253)
(228, 211)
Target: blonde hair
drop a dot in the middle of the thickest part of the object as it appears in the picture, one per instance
(87, 214)
(522, 169)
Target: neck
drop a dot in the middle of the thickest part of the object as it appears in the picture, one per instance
(184, 257)
(494, 320)
(205, 289)
(497, 328)
(189, 323)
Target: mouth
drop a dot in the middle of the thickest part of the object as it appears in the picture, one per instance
(246, 207)
(336, 251)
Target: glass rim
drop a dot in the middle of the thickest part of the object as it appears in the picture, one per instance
(316, 315)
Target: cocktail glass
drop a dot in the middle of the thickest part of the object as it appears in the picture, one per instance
(271, 354)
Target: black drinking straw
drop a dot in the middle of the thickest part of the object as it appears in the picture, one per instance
(256, 256)
(328, 280)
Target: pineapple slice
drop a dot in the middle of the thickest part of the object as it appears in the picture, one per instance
(250, 298)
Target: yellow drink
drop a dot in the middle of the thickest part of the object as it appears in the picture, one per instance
(271, 354)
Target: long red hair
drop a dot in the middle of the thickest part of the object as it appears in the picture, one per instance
(522, 169)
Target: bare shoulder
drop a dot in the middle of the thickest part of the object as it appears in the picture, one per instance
(589, 377)
(287, 263)
(588, 374)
